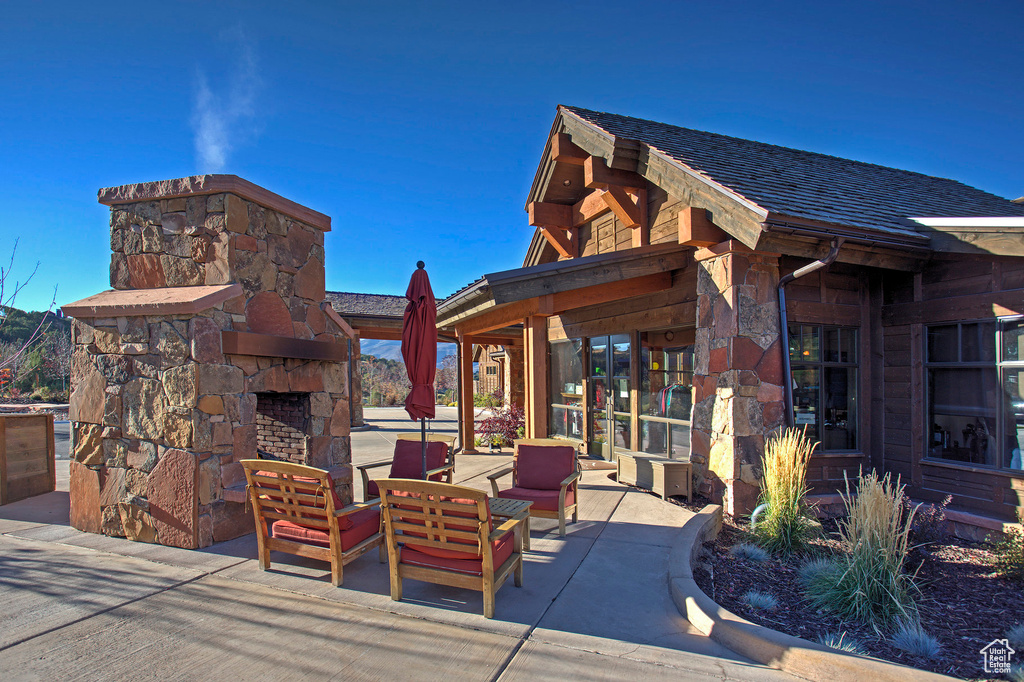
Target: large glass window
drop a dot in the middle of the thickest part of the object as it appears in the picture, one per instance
(824, 362)
(975, 373)
(666, 384)
(567, 388)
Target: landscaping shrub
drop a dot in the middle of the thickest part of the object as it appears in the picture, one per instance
(1008, 554)
(785, 526)
(817, 568)
(745, 550)
(843, 642)
(870, 583)
(912, 638)
(1015, 636)
(503, 426)
(761, 601)
(929, 525)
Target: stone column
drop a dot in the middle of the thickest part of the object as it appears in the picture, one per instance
(738, 395)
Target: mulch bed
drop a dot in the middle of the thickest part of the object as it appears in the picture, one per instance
(964, 605)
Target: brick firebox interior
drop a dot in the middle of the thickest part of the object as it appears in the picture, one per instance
(217, 309)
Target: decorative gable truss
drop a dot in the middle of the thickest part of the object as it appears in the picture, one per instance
(621, 192)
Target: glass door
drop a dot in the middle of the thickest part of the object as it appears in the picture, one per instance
(609, 395)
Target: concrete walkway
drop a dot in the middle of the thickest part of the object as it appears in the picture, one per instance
(594, 605)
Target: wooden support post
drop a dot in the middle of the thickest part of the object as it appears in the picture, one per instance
(466, 394)
(535, 337)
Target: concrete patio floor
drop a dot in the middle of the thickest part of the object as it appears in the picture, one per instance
(594, 605)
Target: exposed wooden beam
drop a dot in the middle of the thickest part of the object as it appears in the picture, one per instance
(535, 341)
(564, 151)
(465, 349)
(559, 239)
(589, 207)
(553, 304)
(267, 345)
(696, 230)
(549, 215)
(622, 206)
(597, 175)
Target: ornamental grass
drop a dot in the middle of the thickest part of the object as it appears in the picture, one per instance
(785, 526)
(869, 582)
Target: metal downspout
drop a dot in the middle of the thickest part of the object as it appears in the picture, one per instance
(787, 371)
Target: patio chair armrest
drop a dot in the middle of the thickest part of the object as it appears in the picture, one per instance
(355, 507)
(440, 470)
(493, 478)
(506, 526)
(372, 465)
(575, 475)
(498, 474)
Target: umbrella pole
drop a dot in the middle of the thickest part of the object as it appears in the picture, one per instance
(423, 444)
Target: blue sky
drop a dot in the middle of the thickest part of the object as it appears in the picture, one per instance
(418, 126)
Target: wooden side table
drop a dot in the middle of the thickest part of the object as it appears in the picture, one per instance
(661, 475)
(505, 508)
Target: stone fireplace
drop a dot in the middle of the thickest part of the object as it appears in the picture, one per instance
(213, 345)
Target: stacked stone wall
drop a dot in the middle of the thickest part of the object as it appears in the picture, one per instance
(161, 415)
(281, 425)
(737, 384)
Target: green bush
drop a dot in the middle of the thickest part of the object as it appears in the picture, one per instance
(869, 582)
(785, 525)
(1009, 556)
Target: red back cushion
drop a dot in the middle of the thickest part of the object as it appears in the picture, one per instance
(344, 523)
(544, 467)
(408, 462)
(471, 551)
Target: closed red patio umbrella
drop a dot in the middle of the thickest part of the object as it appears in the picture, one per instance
(419, 351)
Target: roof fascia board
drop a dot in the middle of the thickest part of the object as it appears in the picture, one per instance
(732, 212)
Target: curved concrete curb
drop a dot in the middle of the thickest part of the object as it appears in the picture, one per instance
(758, 643)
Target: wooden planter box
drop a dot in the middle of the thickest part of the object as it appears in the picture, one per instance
(26, 456)
(661, 475)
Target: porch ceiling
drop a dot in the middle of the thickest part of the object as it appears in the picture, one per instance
(500, 299)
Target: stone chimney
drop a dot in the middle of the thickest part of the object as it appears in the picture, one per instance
(217, 303)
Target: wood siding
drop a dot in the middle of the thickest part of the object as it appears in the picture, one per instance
(607, 233)
(672, 308)
(946, 291)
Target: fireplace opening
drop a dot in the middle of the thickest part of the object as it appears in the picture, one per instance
(281, 423)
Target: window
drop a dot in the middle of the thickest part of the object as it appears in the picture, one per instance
(823, 360)
(666, 383)
(567, 388)
(492, 370)
(974, 394)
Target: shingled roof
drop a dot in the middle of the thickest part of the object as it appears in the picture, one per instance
(808, 185)
(382, 305)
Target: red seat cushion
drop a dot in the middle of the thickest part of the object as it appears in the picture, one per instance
(544, 467)
(362, 524)
(501, 550)
(546, 500)
(408, 462)
(344, 523)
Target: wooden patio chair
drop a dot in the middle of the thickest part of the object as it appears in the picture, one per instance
(407, 462)
(298, 511)
(444, 534)
(544, 471)
(445, 438)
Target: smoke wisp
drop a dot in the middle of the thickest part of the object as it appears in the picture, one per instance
(224, 118)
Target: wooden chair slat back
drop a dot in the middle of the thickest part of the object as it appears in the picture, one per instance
(281, 494)
(438, 515)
